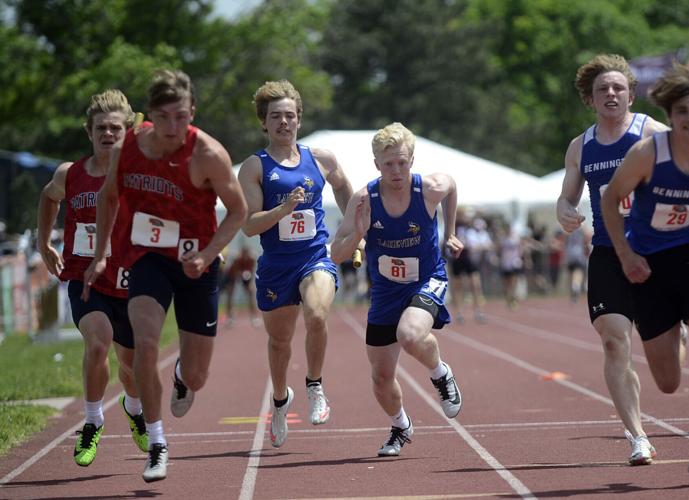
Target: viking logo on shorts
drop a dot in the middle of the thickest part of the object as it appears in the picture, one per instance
(90, 229)
(297, 215)
(271, 295)
(308, 182)
(156, 222)
(397, 262)
(413, 228)
(680, 209)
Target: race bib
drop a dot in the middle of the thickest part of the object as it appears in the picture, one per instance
(151, 231)
(669, 217)
(298, 225)
(399, 269)
(187, 245)
(122, 279)
(85, 241)
(625, 207)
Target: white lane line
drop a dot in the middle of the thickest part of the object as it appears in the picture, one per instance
(563, 339)
(514, 483)
(69, 432)
(249, 482)
(458, 337)
(421, 428)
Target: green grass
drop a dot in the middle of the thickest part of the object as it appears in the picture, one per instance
(34, 371)
(18, 423)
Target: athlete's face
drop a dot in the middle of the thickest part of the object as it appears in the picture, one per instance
(679, 117)
(107, 129)
(282, 121)
(395, 164)
(170, 121)
(611, 97)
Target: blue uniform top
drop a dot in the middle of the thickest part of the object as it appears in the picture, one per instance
(403, 251)
(660, 214)
(303, 230)
(598, 164)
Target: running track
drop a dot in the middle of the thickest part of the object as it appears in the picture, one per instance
(521, 434)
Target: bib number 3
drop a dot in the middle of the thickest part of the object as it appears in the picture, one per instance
(151, 231)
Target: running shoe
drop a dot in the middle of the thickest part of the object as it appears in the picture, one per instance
(278, 421)
(450, 397)
(398, 437)
(319, 410)
(87, 443)
(643, 452)
(182, 397)
(156, 463)
(137, 426)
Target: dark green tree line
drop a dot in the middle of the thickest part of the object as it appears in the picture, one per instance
(491, 77)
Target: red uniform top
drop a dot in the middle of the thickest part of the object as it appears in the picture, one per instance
(167, 214)
(81, 194)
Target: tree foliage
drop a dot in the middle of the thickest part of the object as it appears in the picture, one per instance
(491, 77)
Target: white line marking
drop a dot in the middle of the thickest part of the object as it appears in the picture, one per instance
(519, 487)
(249, 482)
(56, 442)
(556, 337)
(458, 337)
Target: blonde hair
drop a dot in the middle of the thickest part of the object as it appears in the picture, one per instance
(602, 63)
(112, 100)
(274, 91)
(671, 87)
(169, 86)
(392, 135)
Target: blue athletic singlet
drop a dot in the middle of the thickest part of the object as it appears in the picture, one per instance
(303, 229)
(403, 256)
(660, 215)
(598, 164)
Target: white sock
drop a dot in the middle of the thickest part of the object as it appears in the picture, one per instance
(439, 371)
(400, 420)
(155, 433)
(132, 405)
(93, 411)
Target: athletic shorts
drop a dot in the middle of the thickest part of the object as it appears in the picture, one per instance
(609, 290)
(462, 265)
(662, 300)
(382, 335)
(196, 300)
(389, 302)
(277, 280)
(113, 307)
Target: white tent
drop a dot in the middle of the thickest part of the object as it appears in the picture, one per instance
(479, 182)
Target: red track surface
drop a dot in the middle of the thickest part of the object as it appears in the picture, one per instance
(521, 432)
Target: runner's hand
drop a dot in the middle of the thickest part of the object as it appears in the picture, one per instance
(95, 269)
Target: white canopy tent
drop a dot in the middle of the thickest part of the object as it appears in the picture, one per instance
(480, 183)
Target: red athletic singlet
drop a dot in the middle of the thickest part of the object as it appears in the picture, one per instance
(81, 194)
(167, 214)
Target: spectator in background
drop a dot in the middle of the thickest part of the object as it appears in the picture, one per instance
(466, 266)
(511, 258)
(242, 268)
(576, 260)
